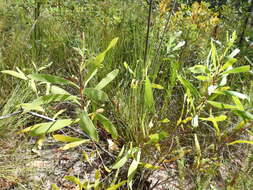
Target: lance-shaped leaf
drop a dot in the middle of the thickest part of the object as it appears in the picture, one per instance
(108, 126)
(222, 105)
(133, 168)
(244, 114)
(189, 86)
(51, 79)
(105, 81)
(241, 69)
(199, 69)
(15, 74)
(48, 127)
(87, 126)
(241, 141)
(58, 90)
(100, 58)
(115, 187)
(148, 96)
(121, 162)
(74, 144)
(95, 94)
(64, 138)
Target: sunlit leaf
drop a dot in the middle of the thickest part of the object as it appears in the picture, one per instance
(241, 142)
(222, 105)
(64, 138)
(122, 161)
(157, 137)
(74, 144)
(234, 53)
(228, 64)
(15, 74)
(55, 187)
(157, 86)
(179, 45)
(105, 81)
(133, 168)
(241, 69)
(74, 180)
(115, 187)
(58, 90)
(148, 96)
(149, 166)
(48, 127)
(199, 69)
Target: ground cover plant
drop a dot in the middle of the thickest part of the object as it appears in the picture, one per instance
(152, 94)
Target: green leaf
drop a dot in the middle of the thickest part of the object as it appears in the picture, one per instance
(148, 95)
(31, 106)
(64, 138)
(15, 74)
(105, 81)
(87, 126)
(55, 187)
(199, 69)
(241, 141)
(112, 44)
(121, 162)
(241, 69)
(188, 86)
(157, 86)
(228, 64)
(215, 121)
(244, 114)
(157, 137)
(74, 180)
(133, 168)
(54, 98)
(202, 78)
(108, 126)
(74, 144)
(100, 58)
(91, 73)
(233, 93)
(222, 105)
(51, 79)
(149, 166)
(115, 187)
(58, 90)
(238, 103)
(95, 94)
(48, 127)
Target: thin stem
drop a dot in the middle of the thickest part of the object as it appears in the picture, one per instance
(148, 31)
(158, 51)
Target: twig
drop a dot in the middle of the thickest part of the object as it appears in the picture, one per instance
(40, 116)
(11, 115)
